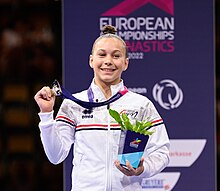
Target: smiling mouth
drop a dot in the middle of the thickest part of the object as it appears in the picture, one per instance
(108, 70)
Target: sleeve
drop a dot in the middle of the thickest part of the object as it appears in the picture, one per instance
(57, 135)
(156, 153)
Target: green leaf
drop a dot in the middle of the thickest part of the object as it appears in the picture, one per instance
(137, 126)
(147, 124)
(148, 132)
(127, 122)
(124, 121)
(117, 117)
(141, 127)
(125, 117)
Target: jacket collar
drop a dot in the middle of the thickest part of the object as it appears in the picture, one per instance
(99, 96)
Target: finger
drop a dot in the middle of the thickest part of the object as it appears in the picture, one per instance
(48, 92)
(42, 94)
(140, 168)
(122, 169)
(118, 165)
(52, 93)
(141, 162)
(130, 168)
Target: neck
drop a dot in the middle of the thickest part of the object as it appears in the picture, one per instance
(107, 92)
(105, 88)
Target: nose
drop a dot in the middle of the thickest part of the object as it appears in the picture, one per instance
(108, 61)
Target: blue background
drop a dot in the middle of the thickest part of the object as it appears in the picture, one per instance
(191, 66)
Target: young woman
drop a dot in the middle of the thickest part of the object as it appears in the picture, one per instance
(95, 139)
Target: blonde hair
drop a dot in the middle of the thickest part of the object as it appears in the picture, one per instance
(109, 31)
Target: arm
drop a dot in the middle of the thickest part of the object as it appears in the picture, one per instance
(156, 154)
(56, 137)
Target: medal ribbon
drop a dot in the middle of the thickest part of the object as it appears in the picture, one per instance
(64, 94)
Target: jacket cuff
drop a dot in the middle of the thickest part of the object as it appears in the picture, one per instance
(46, 119)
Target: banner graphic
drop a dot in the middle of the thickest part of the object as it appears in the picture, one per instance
(171, 51)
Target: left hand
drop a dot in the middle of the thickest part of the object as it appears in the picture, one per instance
(130, 171)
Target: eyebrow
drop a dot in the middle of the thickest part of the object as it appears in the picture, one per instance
(113, 50)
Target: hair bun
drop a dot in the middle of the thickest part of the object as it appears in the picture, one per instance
(108, 29)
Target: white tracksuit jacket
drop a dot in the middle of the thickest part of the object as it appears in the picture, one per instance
(96, 136)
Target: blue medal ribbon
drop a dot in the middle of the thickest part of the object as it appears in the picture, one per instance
(64, 94)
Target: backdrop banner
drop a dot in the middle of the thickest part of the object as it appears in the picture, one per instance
(171, 51)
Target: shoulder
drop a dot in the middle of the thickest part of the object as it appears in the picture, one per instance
(139, 99)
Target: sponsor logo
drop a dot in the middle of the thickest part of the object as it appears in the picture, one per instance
(154, 183)
(143, 34)
(184, 152)
(87, 114)
(129, 6)
(138, 90)
(135, 143)
(168, 94)
(130, 113)
(161, 181)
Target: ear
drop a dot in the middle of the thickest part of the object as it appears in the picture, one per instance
(126, 64)
(91, 61)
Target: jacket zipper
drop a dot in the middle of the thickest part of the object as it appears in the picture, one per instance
(108, 156)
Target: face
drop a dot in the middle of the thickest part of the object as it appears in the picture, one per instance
(108, 61)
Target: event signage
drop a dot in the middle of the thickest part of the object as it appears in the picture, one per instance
(171, 52)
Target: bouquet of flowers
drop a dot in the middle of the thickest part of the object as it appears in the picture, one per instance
(134, 137)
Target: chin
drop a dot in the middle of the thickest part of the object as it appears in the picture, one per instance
(112, 82)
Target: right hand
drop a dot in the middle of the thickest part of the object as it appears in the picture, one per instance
(45, 99)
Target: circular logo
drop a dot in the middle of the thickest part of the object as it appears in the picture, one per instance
(168, 94)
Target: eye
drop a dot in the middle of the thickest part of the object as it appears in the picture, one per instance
(116, 55)
(101, 54)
